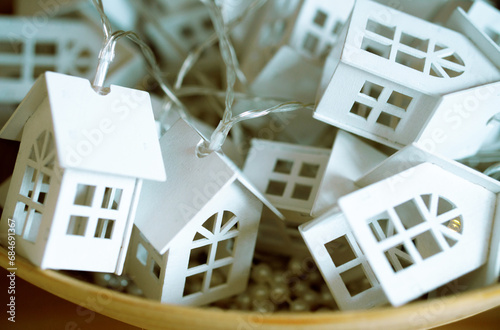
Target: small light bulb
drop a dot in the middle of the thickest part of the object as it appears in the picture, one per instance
(455, 225)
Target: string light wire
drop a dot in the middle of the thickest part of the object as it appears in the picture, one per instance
(228, 54)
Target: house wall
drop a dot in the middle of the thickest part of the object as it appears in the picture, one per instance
(355, 100)
(238, 200)
(140, 263)
(33, 248)
(88, 229)
(412, 227)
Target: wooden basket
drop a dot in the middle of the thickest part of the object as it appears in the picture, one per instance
(151, 314)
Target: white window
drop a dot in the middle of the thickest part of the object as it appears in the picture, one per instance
(44, 55)
(294, 180)
(423, 55)
(212, 254)
(350, 264)
(34, 189)
(95, 201)
(149, 258)
(321, 34)
(382, 106)
(417, 229)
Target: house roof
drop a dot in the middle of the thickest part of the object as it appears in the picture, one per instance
(474, 27)
(165, 208)
(113, 133)
(413, 155)
(405, 42)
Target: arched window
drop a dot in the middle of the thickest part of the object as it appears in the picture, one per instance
(417, 229)
(424, 55)
(212, 254)
(35, 186)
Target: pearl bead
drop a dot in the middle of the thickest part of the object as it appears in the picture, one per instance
(244, 301)
(259, 291)
(299, 305)
(263, 306)
(279, 293)
(278, 278)
(295, 266)
(300, 287)
(261, 273)
(311, 297)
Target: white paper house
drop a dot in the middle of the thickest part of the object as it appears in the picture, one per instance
(350, 159)
(342, 263)
(177, 33)
(318, 26)
(277, 83)
(289, 176)
(392, 71)
(271, 30)
(67, 46)
(79, 171)
(195, 234)
(423, 221)
(420, 222)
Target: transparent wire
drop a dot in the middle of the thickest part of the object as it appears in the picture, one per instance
(229, 57)
(218, 137)
(493, 171)
(228, 54)
(195, 54)
(107, 54)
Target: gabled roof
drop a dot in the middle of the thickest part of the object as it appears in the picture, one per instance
(404, 39)
(165, 208)
(113, 133)
(413, 155)
(472, 27)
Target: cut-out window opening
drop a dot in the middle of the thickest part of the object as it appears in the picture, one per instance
(398, 258)
(388, 120)
(104, 228)
(77, 225)
(371, 89)
(276, 188)
(355, 280)
(422, 212)
(112, 198)
(361, 110)
(302, 191)
(412, 51)
(220, 276)
(340, 251)
(382, 227)
(337, 27)
(155, 269)
(46, 48)
(11, 47)
(311, 43)
(380, 29)
(216, 254)
(142, 254)
(84, 195)
(309, 170)
(400, 100)
(414, 42)
(283, 166)
(320, 18)
(374, 47)
(32, 225)
(10, 71)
